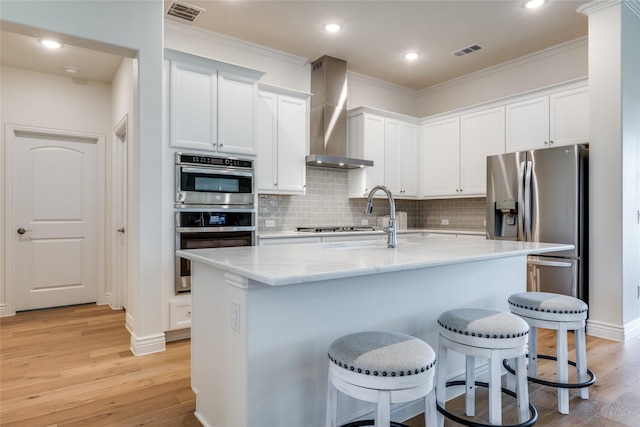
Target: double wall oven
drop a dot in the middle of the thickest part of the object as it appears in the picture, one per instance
(214, 207)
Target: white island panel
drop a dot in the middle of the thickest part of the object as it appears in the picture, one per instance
(271, 370)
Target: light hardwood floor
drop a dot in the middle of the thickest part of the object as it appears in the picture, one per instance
(72, 367)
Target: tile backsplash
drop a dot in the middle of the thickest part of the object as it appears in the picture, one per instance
(326, 204)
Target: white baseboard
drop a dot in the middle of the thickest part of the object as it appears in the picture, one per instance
(177, 335)
(5, 311)
(147, 345)
(613, 332)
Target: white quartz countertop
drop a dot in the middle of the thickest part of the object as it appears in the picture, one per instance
(293, 264)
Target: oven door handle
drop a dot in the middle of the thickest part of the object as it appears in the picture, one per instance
(213, 229)
(213, 171)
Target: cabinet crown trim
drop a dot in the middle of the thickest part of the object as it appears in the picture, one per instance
(191, 58)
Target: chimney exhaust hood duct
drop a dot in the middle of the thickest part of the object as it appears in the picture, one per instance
(328, 121)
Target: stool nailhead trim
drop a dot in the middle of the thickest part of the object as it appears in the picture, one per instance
(383, 373)
(548, 310)
(473, 334)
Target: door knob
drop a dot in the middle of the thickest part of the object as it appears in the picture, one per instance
(22, 230)
(121, 230)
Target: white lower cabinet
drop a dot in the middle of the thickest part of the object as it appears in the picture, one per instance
(283, 140)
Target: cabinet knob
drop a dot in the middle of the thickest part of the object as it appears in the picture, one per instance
(550, 142)
(545, 143)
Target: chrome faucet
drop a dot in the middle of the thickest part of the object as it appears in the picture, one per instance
(392, 240)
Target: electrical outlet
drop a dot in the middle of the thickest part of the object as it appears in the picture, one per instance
(270, 223)
(364, 222)
(444, 222)
(235, 316)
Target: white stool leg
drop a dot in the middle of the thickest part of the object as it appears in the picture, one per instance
(332, 404)
(522, 389)
(533, 351)
(470, 384)
(511, 379)
(383, 415)
(495, 388)
(441, 381)
(430, 410)
(563, 370)
(581, 360)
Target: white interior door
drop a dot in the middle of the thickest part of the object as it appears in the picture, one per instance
(54, 205)
(120, 266)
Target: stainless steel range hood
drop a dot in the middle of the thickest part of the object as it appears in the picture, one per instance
(328, 121)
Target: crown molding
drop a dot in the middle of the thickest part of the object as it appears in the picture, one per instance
(235, 43)
(552, 51)
(598, 5)
(372, 81)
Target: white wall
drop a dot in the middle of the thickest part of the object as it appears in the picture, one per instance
(122, 98)
(558, 64)
(32, 98)
(614, 67)
(125, 28)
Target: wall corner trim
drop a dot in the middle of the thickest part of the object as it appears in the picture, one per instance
(149, 344)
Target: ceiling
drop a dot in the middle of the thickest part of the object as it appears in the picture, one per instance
(374, 37)
(376, 34)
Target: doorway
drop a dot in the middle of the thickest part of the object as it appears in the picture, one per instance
(56, 204)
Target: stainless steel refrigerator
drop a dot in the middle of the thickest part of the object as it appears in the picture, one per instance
(541, 196)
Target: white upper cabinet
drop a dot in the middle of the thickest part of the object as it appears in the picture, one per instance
(550, 120)
(454, 153)
(236, 114)
(440, 158)
(569, 117)
(391, 143)
(193, 106)
(283, 140)
(366, 138)
(212, 105)
(409, 160)
(482, 134)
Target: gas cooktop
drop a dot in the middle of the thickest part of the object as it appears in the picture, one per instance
(332, 229)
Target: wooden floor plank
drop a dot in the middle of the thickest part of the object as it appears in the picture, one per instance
(71, 366)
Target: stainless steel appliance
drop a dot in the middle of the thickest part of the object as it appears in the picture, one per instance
(208, 180)
(210, 229)
(215, 207)
(541, 196)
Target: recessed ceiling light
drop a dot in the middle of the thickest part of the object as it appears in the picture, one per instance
(70, 69)
(333, 27)
(411, 56)
(533, 4)
(51, 44)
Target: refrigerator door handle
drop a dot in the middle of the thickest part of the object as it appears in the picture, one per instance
(551, 263)
(521, 203)
(528, 209)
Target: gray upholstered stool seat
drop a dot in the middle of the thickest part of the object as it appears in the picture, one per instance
(562, 313)
(381, 367)
(492, 335)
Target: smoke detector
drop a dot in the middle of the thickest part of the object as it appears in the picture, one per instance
(467, 50)
(71, 70)
(185, 11)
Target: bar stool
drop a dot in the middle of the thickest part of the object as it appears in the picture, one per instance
(489, 334)
(381, 367)
(562, 313)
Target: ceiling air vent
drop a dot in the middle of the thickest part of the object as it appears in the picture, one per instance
(185, 11)
(467, 50)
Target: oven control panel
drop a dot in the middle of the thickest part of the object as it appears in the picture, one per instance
(196, 159)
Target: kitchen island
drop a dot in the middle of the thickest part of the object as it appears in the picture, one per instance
(264, 316)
